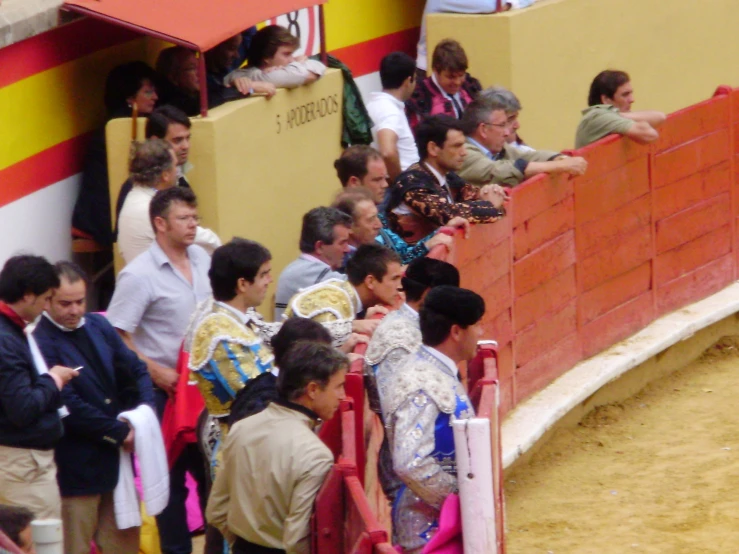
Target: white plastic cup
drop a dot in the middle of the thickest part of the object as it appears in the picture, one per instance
(47, 535)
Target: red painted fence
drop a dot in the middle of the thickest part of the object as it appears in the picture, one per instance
(343, 521)
(579, 264)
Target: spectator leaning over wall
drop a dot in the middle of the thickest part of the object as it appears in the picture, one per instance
(610, 99)
(512, 110)
(492, 159)
(271, 60)
(429, 194)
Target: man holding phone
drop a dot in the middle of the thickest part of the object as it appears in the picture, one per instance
(112, 379)
(30, 392)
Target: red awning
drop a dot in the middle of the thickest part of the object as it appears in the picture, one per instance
(196, 24)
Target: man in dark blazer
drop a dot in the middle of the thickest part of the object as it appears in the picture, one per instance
(112, 379)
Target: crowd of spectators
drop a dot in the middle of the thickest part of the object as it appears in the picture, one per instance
(80, 392)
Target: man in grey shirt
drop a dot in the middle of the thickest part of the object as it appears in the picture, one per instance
(324, 241)
(154, 298)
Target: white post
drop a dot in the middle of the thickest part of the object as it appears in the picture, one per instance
(475, 478)
(47, 535)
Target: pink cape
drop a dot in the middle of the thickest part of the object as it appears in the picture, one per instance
(448, 539)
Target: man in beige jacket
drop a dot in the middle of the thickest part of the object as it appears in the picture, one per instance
(492, 159)
(273, 462)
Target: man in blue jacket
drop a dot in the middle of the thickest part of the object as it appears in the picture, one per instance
(30, 398)
(112, 379)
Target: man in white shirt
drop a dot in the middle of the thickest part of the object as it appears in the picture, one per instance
(153, 168)
(391, 133)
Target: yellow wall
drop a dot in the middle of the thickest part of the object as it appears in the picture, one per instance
(676, 52)
(259, 164)
(350, 22)
(58, 104)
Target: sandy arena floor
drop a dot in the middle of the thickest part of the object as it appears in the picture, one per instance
(656, 474)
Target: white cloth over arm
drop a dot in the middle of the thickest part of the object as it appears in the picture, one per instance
(149, 449)
(207, 239)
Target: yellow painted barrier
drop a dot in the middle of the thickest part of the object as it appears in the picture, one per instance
(259, 164)
(676, 52)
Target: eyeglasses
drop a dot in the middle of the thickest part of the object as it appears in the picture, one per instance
(188, 218)
(501, 125)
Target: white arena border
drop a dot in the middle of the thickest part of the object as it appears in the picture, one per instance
(528, 422)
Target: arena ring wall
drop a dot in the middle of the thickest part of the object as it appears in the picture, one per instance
(580, 264)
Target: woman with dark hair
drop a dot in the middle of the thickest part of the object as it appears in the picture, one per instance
(127, 83)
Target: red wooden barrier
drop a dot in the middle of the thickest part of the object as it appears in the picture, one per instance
(582, 263)
(331, 431)
(578, 265)
(343, 520)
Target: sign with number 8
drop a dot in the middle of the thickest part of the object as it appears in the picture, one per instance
(304, 25)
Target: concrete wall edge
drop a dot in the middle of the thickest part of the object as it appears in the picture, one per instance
(526, 424)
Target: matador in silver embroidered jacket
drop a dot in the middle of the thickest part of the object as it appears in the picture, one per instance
(421, 400)
(397, 336)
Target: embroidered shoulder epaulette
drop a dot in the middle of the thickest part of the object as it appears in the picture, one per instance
(213, 329)
(326, 301)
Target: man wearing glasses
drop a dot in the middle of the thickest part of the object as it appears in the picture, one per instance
(492, 159)
(155, 297)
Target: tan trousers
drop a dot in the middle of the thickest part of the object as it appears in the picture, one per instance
(88, 518)
(28, 478)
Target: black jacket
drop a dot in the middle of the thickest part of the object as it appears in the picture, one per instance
(28, 401)
(114, 380)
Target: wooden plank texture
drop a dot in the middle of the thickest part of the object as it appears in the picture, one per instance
(610, 153)
(547, 298)
(687, 192)
(613, 293)
(538, 194)
(495, 262)
(543, 263)
(543, 227)
(692, 223)
(691, 255)
(497, 296)
(686, 124)
(598, 235)
(506, 376)
(536, 339)
(622, 255)
(619, 323)
(538, 373)
(605, 194)
(498, 327)
(482, 237)
(695, 285)
(686, 159)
